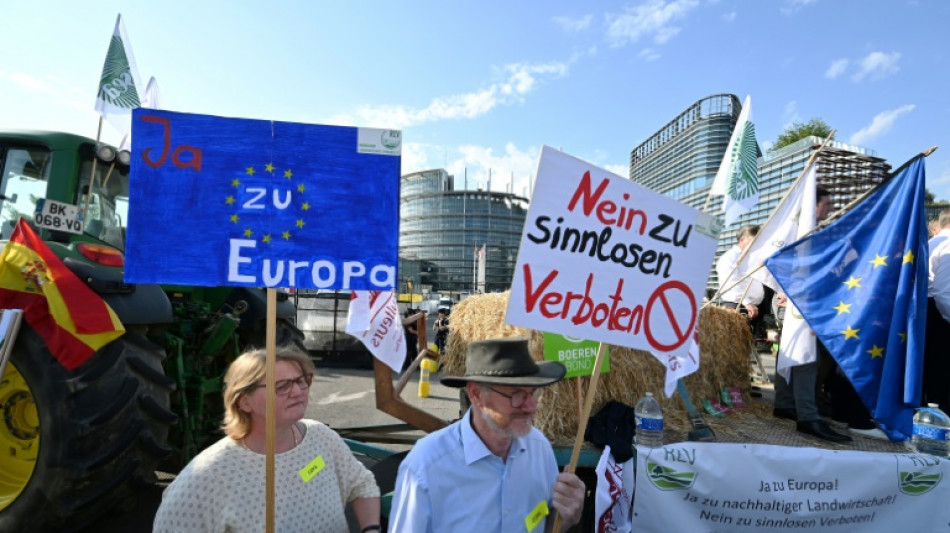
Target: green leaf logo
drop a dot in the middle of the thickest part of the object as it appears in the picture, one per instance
(915, 483)
(116, 86)
(665, 478)
(744, 179)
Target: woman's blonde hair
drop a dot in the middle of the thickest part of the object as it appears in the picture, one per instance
(243, 375)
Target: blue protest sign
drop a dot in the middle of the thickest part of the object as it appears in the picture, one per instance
(239, 202)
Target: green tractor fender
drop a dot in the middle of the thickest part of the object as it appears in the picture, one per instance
(133, 304)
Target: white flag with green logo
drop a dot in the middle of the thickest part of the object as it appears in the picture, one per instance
(738, 177)
(119, 84)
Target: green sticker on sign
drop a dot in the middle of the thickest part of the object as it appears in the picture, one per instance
(578, 355)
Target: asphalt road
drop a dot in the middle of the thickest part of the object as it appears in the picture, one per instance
(342, 398)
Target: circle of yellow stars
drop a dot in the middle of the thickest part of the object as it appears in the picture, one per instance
(855, 283)
(248, 232)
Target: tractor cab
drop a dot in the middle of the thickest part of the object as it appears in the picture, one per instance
(61, 167)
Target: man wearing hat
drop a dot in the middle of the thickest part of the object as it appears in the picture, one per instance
(491, 470)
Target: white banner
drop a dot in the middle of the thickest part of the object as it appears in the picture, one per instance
(373, 318)
(606, 259)
(720, 487)
(613, 499)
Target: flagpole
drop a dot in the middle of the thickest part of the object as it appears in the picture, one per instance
(270, 408)
(105, 181)
(92, 178)
(808, 164)
(582, 421)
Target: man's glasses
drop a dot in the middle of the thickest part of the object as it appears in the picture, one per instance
(283, 386)
(518, 398)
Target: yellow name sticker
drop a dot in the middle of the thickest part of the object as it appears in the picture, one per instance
(312, 469)
(536, 516)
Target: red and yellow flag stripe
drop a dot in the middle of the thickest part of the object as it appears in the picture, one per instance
(71, 318)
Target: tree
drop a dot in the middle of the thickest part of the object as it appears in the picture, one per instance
(815, 126)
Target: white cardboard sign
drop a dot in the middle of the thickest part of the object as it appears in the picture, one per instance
(606, 259)
(755, 488)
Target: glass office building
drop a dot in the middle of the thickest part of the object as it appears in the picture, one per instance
(682, 158)
(440, 229)
(845, 170)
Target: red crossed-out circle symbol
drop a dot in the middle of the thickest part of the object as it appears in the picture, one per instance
(663, 295)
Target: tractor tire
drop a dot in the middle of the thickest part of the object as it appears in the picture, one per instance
(78, 444)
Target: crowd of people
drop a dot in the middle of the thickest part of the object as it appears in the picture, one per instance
(819, 389)
(492, 470)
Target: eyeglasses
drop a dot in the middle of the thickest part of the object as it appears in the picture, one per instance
(283, 386)
(518, 398)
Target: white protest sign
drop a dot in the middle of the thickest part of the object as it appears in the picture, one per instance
(703, 486)
(606, 259)
(57, 216)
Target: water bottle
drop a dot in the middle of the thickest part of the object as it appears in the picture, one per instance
(649, 418)
(931, 431)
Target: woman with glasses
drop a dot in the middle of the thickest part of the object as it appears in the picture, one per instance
(223, 488)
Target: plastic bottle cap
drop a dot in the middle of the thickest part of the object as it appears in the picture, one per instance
(934, 405)
(649, 394)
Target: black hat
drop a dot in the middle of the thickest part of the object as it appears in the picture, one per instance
(505, 362)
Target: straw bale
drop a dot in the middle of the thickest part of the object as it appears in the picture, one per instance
(725, 343)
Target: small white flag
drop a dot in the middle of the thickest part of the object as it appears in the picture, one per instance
(119, 85)
(792, 219)
(678, 367)
(373, 318)
(613, 500)
(797, 219)
(738, 177)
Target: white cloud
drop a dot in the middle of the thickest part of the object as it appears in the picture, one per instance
(649, 54)
(877, 65)
(837, 68)
(729, 17)
(790, 114)
(620, 170)
(791, 6)
(518, 80)
(511, 170)
(880, 124)
(574, 25)
(30, 82)
(650, 18)
(415, 157)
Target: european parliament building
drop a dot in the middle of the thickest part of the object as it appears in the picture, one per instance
(682, 158)
(440, 228)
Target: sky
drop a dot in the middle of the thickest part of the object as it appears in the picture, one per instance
(478, 88)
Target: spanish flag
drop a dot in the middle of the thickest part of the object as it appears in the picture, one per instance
(70, 317)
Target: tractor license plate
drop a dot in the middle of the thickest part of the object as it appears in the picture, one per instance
(58, 216)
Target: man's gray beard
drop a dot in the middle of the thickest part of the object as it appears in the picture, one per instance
(508, 432)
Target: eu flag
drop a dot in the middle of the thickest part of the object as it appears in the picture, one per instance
(861, 284)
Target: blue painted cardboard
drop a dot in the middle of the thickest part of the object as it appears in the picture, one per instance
(239, 202)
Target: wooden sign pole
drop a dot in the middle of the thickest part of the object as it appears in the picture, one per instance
(270, 406)
(582, 421)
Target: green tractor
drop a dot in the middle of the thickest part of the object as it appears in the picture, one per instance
(77, 444)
